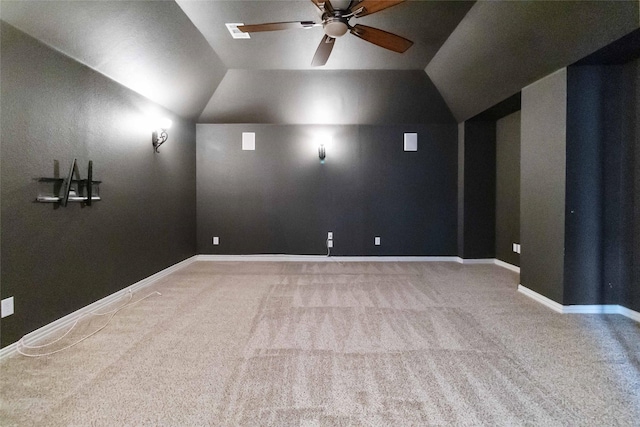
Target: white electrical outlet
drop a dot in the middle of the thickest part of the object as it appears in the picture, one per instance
(376, 241)
(514, 247)
(7, 307)
(330, 235)
(518, 248)
(329, 243)
(216, 240)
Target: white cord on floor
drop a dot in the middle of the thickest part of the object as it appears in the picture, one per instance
(21, 345)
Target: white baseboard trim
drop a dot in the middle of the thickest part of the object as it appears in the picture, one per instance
(324, 258)
(580, 309)
(475, 261)
(67, 321)
(506, 265)
(631, 314)
(555, 306)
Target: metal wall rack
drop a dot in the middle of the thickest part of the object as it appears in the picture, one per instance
(63, 191)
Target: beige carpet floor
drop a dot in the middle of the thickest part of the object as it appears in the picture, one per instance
(330, 344)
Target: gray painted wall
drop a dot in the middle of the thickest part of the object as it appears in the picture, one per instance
(584, 228)
(508, 187)
(479, 189)
(631, 297)
(461, 140)
(601, 136)
(57, 260)
(542, 185)
(281, 199)
(326, 97)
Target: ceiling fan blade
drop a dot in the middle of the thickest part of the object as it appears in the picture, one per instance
(276, 26)
(372, 6)
(323, 51)
(323, 5)
(381, 38)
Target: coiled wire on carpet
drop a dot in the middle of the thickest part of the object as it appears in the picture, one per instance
(21, 345)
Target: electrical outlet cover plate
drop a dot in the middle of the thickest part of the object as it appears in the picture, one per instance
(330, 235)
(376, 241)
(216, 240)
(330, 243)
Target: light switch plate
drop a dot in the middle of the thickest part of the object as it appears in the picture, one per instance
(7, 307)
(376, 241)
(216, 240)
(410, 142)
(248, 141)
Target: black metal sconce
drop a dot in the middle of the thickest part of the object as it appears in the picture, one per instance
(322, 153)
(160, 135)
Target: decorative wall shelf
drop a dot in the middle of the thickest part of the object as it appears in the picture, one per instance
(62, 191)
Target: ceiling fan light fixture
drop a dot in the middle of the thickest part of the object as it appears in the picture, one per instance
(335, 27)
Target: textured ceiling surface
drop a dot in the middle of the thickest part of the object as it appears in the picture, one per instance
(426, 23)
(177, 53)
(326, 97)
(502, 46)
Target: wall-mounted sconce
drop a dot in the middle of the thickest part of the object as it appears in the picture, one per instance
(322, 153)
(160, 135)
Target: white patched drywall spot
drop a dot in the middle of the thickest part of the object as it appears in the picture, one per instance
(410, 142)
(248, 141)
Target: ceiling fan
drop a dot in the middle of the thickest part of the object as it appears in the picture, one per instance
(335, 22)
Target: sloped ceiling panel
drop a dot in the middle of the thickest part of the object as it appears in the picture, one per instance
(501, 47)
(150, 47)
(326, 97)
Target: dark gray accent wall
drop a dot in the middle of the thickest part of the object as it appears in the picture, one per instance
(621, 139)
(508, 187)
(478, 182)
(479, 189)
(542, 185)
(281, 199)
(56, 260)
(601, 136)
(631, 296)
(461, 140)
(584, 187)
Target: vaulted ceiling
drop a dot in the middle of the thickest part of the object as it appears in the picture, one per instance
(180, 54)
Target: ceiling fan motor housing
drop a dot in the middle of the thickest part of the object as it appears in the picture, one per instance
(335, 26)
